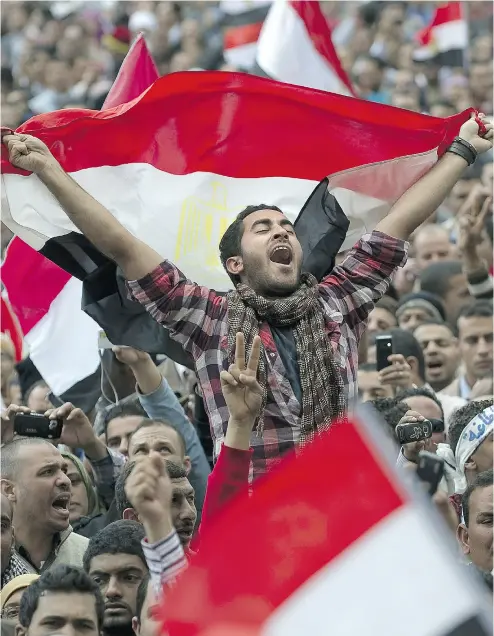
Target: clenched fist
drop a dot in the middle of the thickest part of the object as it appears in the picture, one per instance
(28, 153)
(470, 132)
(149, 490)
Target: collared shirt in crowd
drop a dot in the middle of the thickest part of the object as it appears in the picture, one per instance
(198, 319)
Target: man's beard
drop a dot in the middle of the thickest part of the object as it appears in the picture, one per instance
(124, 629)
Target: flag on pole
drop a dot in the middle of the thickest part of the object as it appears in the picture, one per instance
(324, 547)
(177, 164)
(46, 300)
(242, 25)
(445, 39)
(295, 46)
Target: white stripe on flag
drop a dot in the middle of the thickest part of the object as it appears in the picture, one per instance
(363, 592)
(186, 224)
(64, 343)
(243, 56)
(286, 52)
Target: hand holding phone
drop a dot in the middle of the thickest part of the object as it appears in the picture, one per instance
(384, 348)
(413, 420)
(35, 425)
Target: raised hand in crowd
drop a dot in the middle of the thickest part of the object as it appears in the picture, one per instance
(411, 451)
(470, 225)
(149, 490)
(399, 373)
(243, 393)
(146, 373)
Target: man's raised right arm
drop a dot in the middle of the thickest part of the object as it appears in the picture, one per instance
(135, 258)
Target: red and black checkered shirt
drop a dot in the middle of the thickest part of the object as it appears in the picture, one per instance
(198, 318)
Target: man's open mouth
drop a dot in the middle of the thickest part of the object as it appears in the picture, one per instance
(281, 254)
(434, 366)
(62, 503)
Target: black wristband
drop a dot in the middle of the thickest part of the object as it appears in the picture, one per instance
(463, 149)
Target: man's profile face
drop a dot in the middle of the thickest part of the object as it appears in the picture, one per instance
(71, 613)
(271, 258)
(477, 540)
(118, 577)
(183, 510)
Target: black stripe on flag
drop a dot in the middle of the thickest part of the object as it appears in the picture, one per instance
(252, 16)
(321, 228)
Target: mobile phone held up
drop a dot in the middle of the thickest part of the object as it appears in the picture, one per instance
(416, 432)
(36, 425)
(384, 348)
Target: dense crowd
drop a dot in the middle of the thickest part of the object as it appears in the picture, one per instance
(97, 523)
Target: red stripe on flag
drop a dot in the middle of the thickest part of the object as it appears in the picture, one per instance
(175, 126)
(240, 35)
(321, 36)
(32, 282)
(259, 551)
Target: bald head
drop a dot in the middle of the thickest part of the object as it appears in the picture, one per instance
(10, 453)
(431, 245)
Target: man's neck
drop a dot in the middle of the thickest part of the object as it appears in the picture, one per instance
(37, 545)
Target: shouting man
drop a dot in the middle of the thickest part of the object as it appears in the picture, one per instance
(310, 332)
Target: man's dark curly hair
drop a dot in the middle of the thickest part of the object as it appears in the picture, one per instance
(60, 578)
(120, 537)
(460, 418)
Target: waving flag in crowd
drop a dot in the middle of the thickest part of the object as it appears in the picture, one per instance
(243, 23)
(444, 40)
(295, 46)
(294, 553)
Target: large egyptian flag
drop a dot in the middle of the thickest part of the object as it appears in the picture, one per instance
(296, 46)
(177, 163)
(334, 541)
(445, 39)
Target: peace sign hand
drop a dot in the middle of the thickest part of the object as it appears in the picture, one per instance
(242, 391)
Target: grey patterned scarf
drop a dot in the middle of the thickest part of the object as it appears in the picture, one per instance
(320, 378)
(17, 566)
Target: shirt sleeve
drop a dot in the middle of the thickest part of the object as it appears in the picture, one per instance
(229, 478)
(402, 461)
(189, 310)
(363, 277)
(163, 404)
(165, 559)
(106, 472)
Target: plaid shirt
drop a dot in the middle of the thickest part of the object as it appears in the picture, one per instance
(198, 318)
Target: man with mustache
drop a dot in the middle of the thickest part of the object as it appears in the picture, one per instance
(310, 332)
(115, 561)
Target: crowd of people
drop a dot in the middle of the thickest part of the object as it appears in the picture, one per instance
(97, 523)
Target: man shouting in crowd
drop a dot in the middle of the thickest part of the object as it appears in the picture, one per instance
(310, 332)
